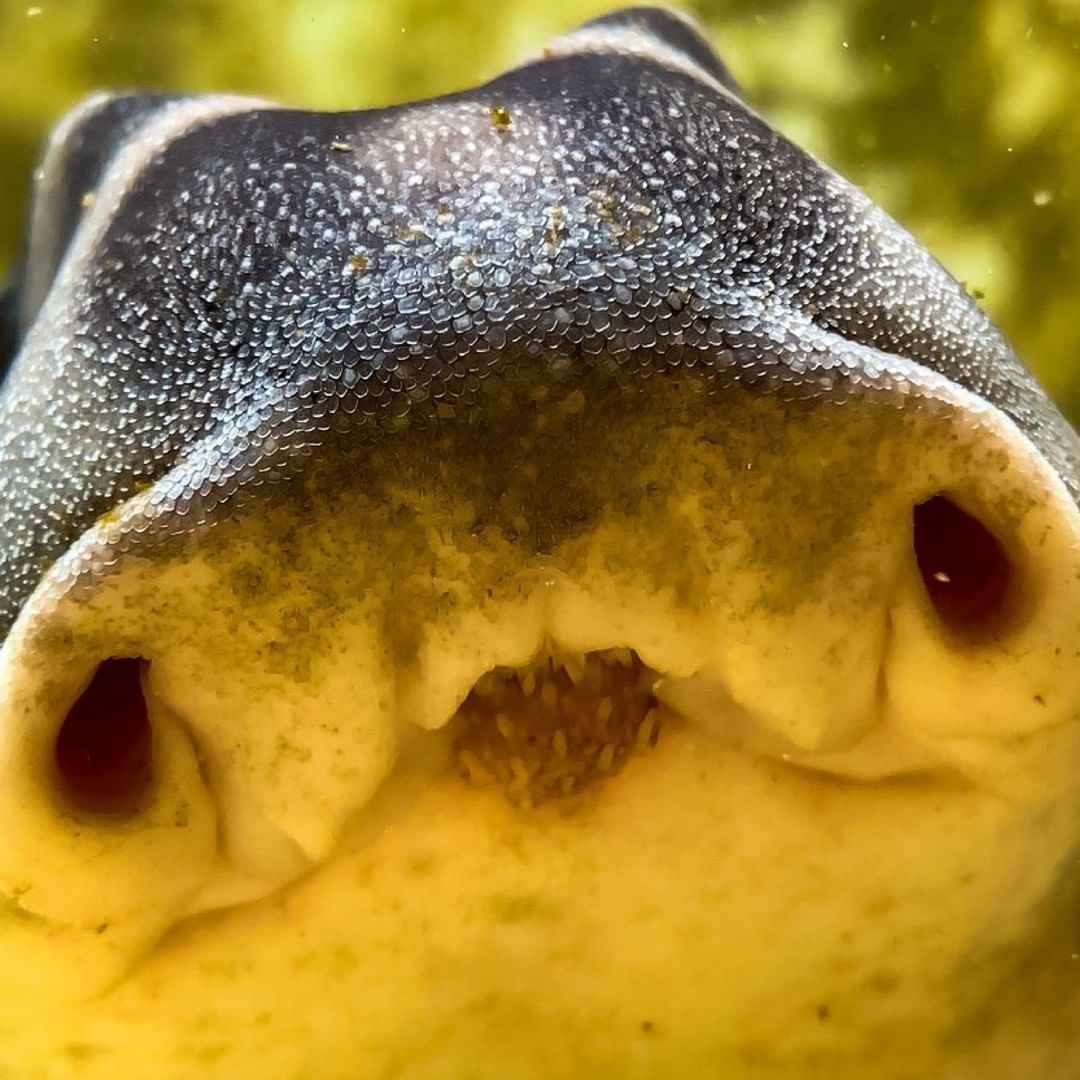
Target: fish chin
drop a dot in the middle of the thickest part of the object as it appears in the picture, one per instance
(608, 756)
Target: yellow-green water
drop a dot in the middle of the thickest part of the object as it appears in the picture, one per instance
(958, 116)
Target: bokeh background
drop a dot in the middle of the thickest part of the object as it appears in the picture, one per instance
(961, 117)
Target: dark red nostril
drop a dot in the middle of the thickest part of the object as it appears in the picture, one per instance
(964, 568)
(104, 748)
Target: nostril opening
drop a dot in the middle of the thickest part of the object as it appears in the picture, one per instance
(965, 569)
(103, 752)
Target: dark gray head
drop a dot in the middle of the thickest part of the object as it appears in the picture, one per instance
(326, 415)
(213, 282)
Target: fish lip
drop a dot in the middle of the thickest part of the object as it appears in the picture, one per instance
(109, 530)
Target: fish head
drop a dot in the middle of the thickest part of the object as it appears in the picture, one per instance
(521, 567)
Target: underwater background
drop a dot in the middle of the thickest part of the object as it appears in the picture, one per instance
(960, 117)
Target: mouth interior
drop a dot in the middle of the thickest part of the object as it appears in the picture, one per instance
(965, 568)
(103, 752)
(558, 726)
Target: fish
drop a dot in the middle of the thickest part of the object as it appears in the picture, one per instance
(546, 581)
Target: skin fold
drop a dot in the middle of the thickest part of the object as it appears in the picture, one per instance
(323, 418)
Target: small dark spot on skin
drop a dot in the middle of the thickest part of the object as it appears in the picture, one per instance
(824, 1013)
(884, 983)
(211, 1054)
(286, 748)
(1039, 698)
(880, 905)
(101, 928)
(81, 1051)
(421, 865)
(500, 118)
(648, 1027)
(248, 581)
(514, 910)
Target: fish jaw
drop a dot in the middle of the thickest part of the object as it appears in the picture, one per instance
(306, 695)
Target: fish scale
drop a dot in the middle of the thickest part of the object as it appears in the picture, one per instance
(217, 254)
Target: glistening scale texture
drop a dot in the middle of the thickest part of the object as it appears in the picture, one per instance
(243, 280)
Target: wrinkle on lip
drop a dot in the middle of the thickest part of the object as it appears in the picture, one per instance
(232, 882)
(425, 756)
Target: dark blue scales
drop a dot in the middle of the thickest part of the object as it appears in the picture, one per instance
(214, 288)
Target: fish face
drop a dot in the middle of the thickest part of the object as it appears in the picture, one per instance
(549, 581)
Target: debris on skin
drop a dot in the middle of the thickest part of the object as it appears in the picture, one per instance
(556, 225)
(547, 731)
(500, 118)
(357, 263)
(409, 232)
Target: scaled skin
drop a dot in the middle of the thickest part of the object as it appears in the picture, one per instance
(327, 416)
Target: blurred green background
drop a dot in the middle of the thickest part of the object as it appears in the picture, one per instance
(961, 117)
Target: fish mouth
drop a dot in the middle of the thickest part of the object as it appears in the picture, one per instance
(537, 615)
(557, 726)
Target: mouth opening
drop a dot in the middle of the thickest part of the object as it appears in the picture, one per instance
(965, 568)
(558, 726)
(103, 753)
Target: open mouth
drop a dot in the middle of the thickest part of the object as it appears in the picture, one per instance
(565, 720)
(558, 726)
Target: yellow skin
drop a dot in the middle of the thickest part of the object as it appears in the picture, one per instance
(851, 852)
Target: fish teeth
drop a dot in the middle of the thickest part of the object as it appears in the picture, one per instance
(554, 727)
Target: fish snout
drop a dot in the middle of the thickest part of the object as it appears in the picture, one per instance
(198, 719)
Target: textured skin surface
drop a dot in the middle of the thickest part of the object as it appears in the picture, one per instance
(230, 281)
(586, 359)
